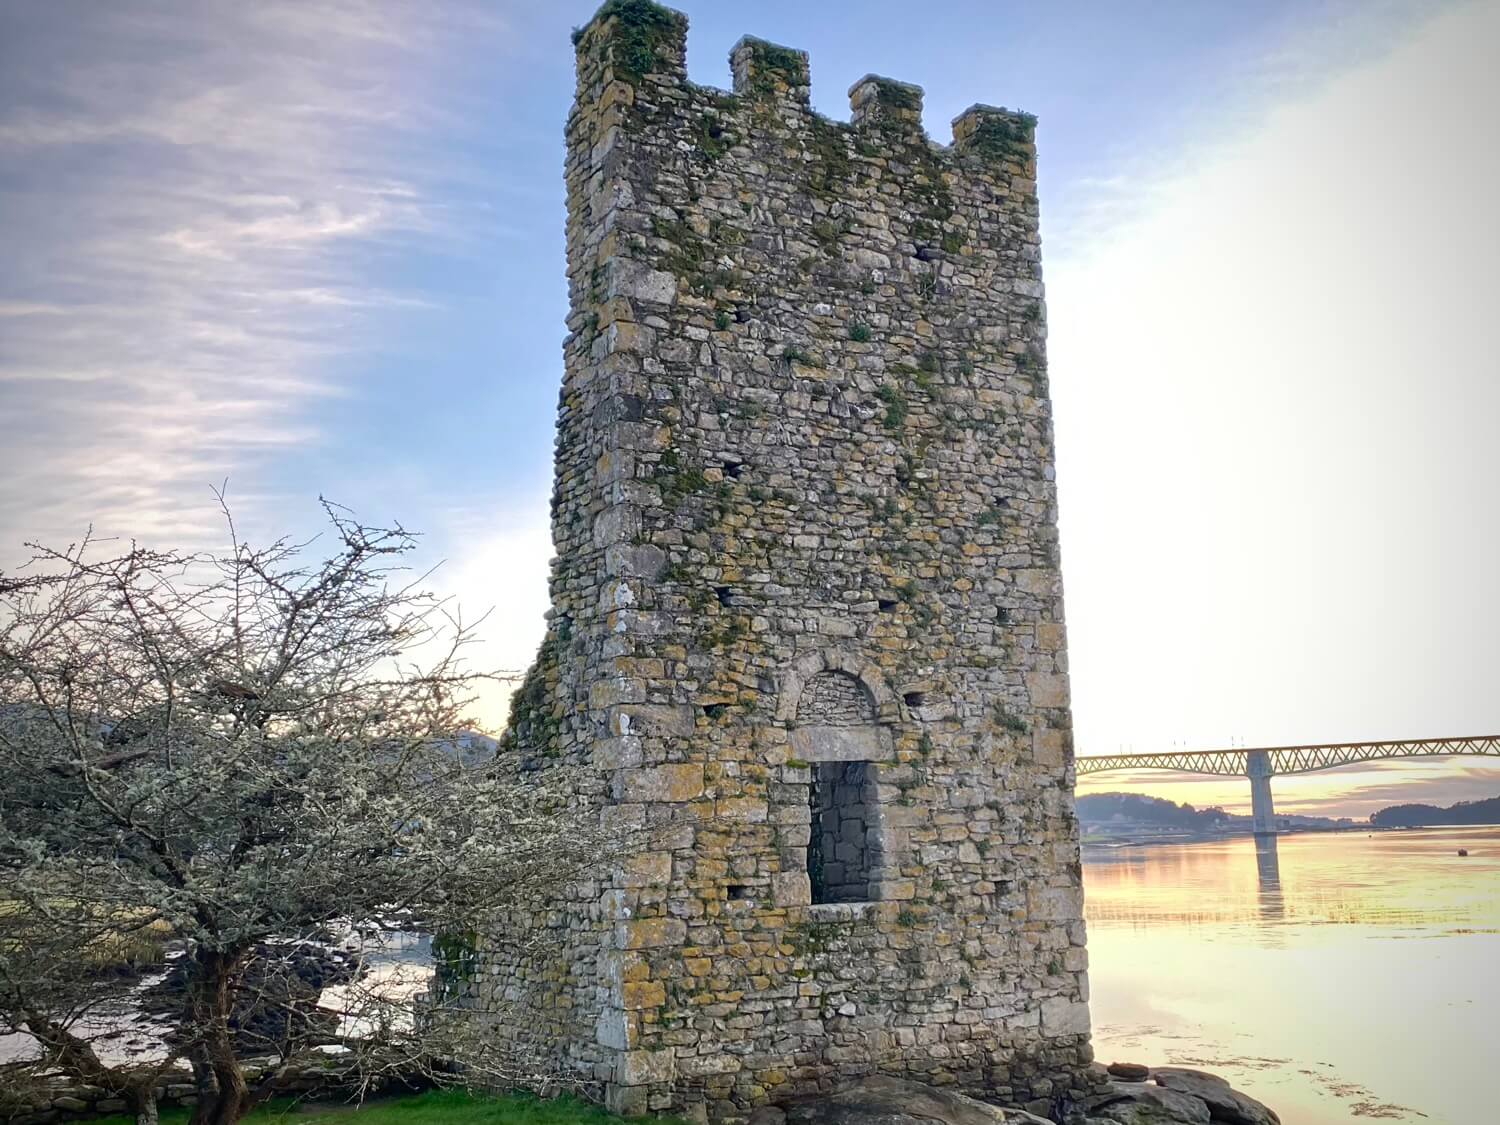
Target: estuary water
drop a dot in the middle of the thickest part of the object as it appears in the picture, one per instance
(1339, 977)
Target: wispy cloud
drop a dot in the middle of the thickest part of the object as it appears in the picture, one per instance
(191, 195)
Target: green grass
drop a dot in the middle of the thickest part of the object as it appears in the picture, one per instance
(436, 1107)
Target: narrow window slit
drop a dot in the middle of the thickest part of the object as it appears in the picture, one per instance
(842, 796)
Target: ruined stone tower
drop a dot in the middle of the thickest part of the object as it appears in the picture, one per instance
(807, 611)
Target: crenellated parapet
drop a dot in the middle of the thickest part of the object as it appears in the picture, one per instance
(807, 619)
(639, 42)
(632, 40)
(769, 72)
(888, 105)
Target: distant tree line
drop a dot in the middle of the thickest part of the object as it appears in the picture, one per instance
(1099, 810)
(1428, 816)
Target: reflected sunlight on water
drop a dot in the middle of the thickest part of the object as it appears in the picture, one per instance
(1339, 977)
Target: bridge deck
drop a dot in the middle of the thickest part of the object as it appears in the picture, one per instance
(1291, 759)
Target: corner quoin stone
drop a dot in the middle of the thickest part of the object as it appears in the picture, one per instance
(806, 550)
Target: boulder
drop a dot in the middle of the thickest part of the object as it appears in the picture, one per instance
(1224, 1102)
(1141, 1103)
(891, 1101)
(1129, 1072)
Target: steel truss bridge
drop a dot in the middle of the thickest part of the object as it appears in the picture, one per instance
(1262, 763)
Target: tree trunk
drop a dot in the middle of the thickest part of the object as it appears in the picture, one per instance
(204, 1085)
(212, 1003)
(143, 1105)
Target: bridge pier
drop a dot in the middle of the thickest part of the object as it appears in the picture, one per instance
(1262, 809)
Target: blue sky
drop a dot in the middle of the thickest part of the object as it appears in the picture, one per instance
(315, 247)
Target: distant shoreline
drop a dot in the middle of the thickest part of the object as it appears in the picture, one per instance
(1110, 840)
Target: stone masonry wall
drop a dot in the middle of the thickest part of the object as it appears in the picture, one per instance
(804, 514)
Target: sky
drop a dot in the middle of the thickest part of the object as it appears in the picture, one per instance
(315, 248)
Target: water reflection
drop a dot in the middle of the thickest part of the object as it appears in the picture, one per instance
(1337, 977)
(1268, 872)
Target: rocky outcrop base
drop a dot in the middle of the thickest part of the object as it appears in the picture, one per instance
(1161, 1096)
(1173, 1095)
(891, 1101)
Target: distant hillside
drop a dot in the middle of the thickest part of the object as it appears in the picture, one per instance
(1104, 811)
(1430, 816)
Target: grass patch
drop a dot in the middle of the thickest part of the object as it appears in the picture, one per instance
(895, 406)
(1009, 722)
(436, 1107)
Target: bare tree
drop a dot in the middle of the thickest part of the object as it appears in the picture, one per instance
(234, 751)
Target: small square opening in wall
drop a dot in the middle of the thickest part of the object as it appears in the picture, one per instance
(839, 850)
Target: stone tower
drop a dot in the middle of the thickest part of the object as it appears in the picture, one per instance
(807, 617)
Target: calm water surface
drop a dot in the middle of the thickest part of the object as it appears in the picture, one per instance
(1339, 978)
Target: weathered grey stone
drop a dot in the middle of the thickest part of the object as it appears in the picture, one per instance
(632, 279)
(1224, 1102)
(1129, 1072)
(892, 1101)
(672, 783)
(638, 1068)
(842, 744)
(1141, 1103)
(634, 560)
(1064, 1016)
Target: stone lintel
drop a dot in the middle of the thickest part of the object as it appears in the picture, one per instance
(842, 744)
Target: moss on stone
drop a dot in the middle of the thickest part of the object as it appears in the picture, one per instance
(1003, 138)
(898, 96)
(895, 406)
(455, 958)
(532, 729)
(774, 63)
(831, 167)
(713, 140)
(640, 28)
